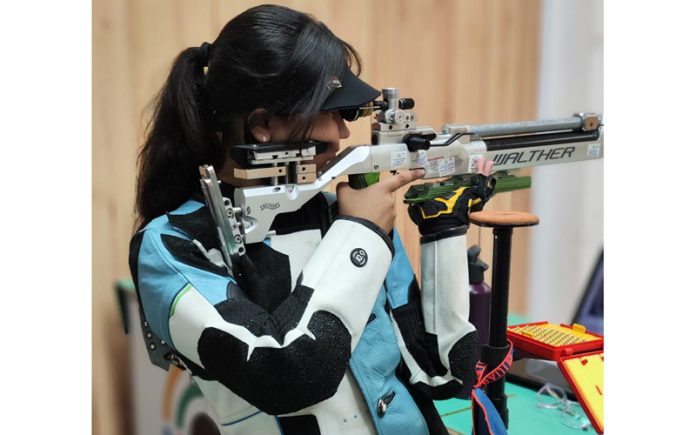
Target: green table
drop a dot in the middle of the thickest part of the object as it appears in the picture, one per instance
(525, 418)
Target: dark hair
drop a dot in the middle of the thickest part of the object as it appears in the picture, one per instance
(269, 57)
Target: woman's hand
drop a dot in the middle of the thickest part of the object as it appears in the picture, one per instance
(450, 210)
(484, 166)
(376, 202)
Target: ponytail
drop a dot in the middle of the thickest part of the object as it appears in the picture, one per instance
(180, 137)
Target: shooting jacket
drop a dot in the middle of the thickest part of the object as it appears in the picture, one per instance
(325, 332)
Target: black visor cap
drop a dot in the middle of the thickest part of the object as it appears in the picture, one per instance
(352, 93)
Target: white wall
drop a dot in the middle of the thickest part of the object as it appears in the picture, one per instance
(567, 198)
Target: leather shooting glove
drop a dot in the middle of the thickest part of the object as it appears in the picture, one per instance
(451, 209)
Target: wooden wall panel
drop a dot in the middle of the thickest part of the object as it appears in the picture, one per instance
(463, 61)
(114, 138)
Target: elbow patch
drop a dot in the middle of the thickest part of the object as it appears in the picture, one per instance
(430, 392)
(281, 380)
(419, 343)
(463, 358)
(259, 321)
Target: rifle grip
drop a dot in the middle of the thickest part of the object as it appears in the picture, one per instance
(361, 181)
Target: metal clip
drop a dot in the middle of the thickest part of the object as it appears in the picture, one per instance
(383, 403)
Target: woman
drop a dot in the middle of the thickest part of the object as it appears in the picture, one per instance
(306, 339)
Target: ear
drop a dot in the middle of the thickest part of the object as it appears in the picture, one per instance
(258, 122)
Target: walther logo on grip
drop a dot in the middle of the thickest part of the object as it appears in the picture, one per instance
(269, 206)
(533, 156)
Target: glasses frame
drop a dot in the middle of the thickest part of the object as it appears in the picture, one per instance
(572, 413)
(351, 114)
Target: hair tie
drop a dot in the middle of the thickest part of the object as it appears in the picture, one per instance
(203, 53)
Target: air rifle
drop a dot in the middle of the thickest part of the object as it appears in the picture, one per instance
(398, 143)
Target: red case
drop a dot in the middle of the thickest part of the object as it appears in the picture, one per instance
(547, 351)
(599, 426)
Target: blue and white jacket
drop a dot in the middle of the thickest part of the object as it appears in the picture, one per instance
(326, 331)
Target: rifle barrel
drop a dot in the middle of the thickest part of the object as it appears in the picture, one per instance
(509, 128)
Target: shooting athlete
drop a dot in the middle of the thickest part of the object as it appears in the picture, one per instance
(320, 327)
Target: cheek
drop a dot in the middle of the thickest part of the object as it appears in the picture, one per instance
(325, 130)
(280, 129)
(320, 161)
